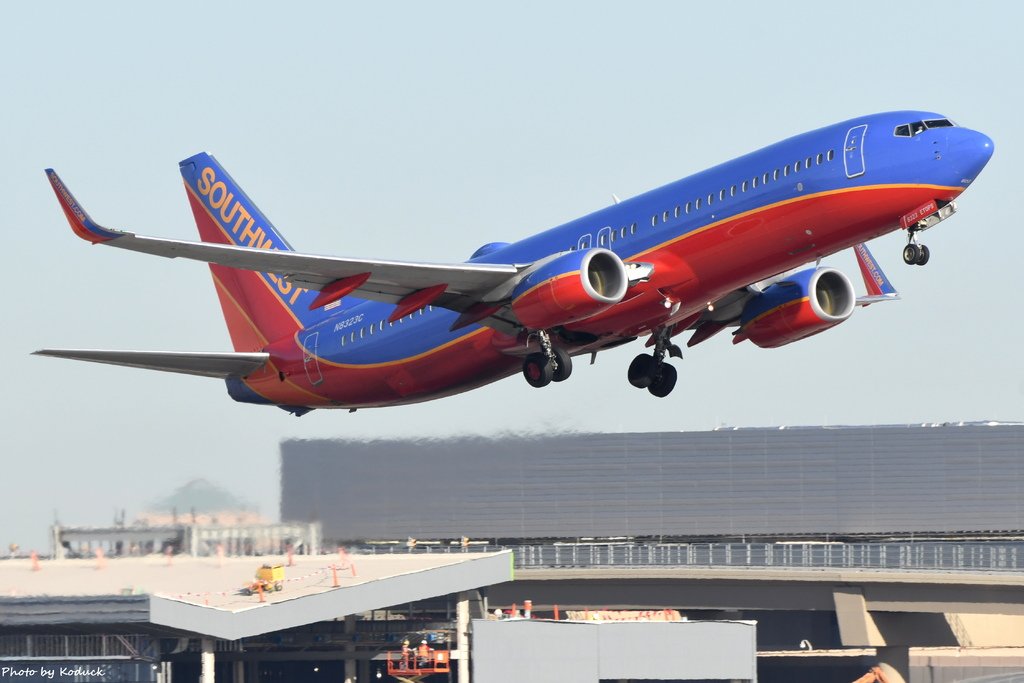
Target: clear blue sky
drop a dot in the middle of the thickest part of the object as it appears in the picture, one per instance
(422, 130)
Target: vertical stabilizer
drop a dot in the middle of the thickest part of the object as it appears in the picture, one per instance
(259, 308)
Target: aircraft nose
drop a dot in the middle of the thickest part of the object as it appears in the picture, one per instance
(971, 151)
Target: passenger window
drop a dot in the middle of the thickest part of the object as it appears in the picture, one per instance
(632, 229)
(362, 330)
(711, 199)
(664, 217)
(785, 170)
(601, 240)
(352, 337)
(654, 220)
(796, 167)
(807, 164)
(775, 174)
(732, 191)
(743, 187)
(342, 340)
(819, 159)
(753, 183)
(622, 231)
(371, 328)
(764, 179)
(831, 155)
(677, 212)
(687, 209)
(698, 204)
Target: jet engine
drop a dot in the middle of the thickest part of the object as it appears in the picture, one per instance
(799, 306)
(569, 287)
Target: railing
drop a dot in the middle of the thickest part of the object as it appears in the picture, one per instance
(912, 556)
(414, 663)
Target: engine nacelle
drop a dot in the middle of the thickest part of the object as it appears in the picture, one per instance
(805, 303)
(570, 287)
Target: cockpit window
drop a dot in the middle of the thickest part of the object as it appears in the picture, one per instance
(909, 130)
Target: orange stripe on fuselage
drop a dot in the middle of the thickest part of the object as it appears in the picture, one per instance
(391, 363)
(793, 200)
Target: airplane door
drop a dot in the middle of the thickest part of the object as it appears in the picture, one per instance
(309, 359)
(584, 242)
(853, 151)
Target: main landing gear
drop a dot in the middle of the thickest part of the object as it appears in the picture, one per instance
(551, 364)
(651, 372)
(915, 254)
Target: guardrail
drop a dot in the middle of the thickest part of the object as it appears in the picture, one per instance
(913, 556)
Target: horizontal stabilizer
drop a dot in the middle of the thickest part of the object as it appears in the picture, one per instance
(222, 365)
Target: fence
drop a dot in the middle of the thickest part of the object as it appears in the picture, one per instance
(919, 556)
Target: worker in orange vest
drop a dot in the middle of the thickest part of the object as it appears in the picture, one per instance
(423, 654)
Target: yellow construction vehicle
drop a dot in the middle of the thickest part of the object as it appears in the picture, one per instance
(269, 578)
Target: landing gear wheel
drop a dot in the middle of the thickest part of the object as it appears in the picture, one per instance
(537, 370)
(922, 258)
(642, 370)
(564, 363)
(911, 254)
(664, 383)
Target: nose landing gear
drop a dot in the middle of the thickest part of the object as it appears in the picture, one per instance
(915, 254)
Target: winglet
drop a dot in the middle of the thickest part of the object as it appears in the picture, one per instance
(84, 227)
(875, 281)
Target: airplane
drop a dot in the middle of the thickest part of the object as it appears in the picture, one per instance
(724, 248)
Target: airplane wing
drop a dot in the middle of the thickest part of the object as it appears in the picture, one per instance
(465, 284)
(222, 365)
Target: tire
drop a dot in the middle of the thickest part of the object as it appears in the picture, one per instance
(665, 382)
(537, 370)
(911, 253)
(564, 363)
(641, 371)
(923, 257)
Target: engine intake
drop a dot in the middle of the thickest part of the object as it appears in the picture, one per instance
(802, 305)
(570, 287)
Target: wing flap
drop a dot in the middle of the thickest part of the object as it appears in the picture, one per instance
(220, 365)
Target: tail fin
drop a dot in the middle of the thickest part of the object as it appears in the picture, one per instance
(875, 281)
(259, 308)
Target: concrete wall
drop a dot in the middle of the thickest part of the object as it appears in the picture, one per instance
(587, 652)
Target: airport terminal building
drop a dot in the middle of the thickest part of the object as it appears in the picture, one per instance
(736, 554)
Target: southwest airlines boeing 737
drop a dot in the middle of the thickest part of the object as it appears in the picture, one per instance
(720, 249)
